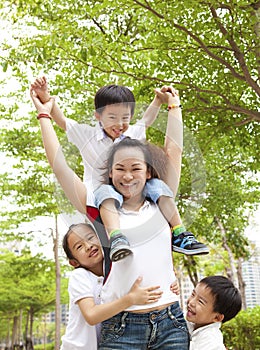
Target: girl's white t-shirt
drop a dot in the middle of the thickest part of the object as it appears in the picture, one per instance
(79, 334)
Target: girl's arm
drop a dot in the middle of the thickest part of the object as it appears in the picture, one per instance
(71, 184)
(94, 314)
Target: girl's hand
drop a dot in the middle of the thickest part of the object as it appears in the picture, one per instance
(174, 287)
(41, 107)
(147, 295)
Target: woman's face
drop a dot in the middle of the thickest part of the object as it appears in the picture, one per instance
(129, 172)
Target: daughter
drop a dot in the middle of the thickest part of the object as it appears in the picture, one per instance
(84, 252)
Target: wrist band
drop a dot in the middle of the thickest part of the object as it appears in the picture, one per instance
(174, 106)
(43, 115)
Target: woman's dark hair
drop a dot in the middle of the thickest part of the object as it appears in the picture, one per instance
(228, 301)
(71, 229)
(154, 157)
(113, 94)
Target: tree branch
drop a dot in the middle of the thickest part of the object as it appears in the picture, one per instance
(237, 52)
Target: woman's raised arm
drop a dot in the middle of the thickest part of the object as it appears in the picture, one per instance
(71, 184)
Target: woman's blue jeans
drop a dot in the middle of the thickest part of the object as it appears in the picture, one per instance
(161, 330)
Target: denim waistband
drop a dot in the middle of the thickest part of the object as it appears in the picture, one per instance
(152, 316)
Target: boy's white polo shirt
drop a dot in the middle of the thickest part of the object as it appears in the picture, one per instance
(94, 145)
(206, 338)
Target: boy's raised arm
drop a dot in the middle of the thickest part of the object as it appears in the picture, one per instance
(153, 109)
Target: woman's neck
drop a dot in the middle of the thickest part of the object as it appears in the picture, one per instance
(133, 204)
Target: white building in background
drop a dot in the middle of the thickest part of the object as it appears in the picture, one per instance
(251, 277)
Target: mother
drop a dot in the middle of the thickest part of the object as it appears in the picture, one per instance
(158, 326)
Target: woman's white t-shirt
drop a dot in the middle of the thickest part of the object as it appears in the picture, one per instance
(149, 236)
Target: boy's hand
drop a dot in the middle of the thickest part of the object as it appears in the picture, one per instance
(146, 295)
(167, 94)
(41, 107)
(40, 86)
(174, 287)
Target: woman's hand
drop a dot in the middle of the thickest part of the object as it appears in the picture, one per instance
(41, 107)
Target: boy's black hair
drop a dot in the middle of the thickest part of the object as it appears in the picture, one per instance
(112, 94)
(228, 301)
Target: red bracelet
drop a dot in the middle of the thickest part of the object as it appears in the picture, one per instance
(43, 115)
(174, 106)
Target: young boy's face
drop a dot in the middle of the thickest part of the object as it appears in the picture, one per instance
(200, 307)
(115, 119)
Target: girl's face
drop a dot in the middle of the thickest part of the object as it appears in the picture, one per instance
(129, 172)
(200, 307)
(85, 248)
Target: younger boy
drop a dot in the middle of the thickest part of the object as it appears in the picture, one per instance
(114, 108)
(215, 300)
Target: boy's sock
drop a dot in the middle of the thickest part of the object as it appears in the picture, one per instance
(114, 232)
(184, 242)
(119, 245)
(178, 229)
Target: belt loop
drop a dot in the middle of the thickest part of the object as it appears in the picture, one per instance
(170, 313)
(123, 319)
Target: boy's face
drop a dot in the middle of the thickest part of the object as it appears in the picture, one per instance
(115, 119)
(200, 307)
(85, 248)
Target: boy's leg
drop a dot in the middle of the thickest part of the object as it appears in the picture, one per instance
(182, 241)
(108, 200)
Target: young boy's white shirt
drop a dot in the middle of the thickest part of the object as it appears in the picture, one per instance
(94, 145)
(79, 334)
(206, 338)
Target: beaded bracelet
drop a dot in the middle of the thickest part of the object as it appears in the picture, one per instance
(174, 106)
(43, 115)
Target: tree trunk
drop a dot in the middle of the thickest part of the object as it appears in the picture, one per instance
(231, 270)
(241, 283)
(14, 332)
(55, 236)
(191, 267)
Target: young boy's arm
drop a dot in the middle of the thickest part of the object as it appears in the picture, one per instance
(152, 111)
(94, 314)
(40, 87)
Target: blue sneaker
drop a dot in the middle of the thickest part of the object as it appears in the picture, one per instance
(119, 247)
(187, 244)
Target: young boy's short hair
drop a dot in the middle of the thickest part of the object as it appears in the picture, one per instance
(113, 94)
(227, 299)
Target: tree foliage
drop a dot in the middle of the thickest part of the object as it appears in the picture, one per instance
(208, 50)
(27, 283)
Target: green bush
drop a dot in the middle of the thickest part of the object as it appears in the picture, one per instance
(242, 332)
(49, 346)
